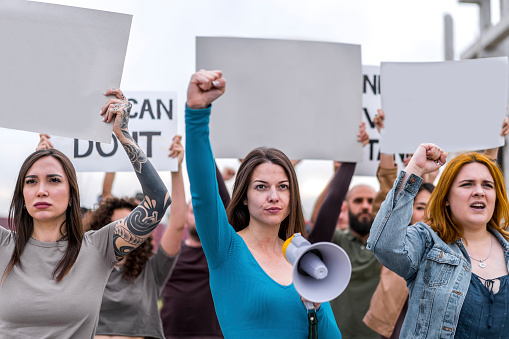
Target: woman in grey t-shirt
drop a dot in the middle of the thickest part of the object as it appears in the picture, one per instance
(135, 285)
(54, 275)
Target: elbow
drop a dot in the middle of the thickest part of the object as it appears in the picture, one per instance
(159, 203)
(161, 197)
(166, 202)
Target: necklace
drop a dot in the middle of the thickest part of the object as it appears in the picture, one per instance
(64, 237)
(482, 263)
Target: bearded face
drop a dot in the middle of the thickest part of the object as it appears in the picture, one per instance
(360, 207)
(360, 223)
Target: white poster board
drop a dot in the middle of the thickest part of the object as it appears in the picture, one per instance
(57, 62)
(371, 90)
(302, 97)
(458, 105)
(152, 123)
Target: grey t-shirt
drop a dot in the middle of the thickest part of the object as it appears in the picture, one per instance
(34, 305)
(131, 309)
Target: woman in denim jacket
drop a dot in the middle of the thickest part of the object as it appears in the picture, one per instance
(463, 248)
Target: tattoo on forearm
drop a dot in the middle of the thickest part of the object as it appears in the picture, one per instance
(135, 154)
(133, 230)
(124, 121)
(121, 252)
(121, 232)
(136, 227)
(143, 218)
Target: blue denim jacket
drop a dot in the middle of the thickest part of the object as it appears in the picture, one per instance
(437, 274)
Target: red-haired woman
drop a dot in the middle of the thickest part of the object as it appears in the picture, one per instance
(456, 264)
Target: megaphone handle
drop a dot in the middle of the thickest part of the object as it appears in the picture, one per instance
(312, 322)
(309, 305)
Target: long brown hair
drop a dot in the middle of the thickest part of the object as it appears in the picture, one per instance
(22, 223)
(135, 261)
(440, 218)
(238, 214)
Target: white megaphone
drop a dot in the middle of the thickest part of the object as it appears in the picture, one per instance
(321, 271)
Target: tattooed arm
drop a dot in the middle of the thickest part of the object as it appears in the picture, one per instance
(131, 231)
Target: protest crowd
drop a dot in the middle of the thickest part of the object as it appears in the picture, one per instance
(226, 276)
(428, 250)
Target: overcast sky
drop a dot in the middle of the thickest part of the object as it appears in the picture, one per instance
(160, 55)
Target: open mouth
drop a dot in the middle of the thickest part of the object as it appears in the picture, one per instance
(478, 206)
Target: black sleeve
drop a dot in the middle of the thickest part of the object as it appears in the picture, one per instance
(325, 225)
(223, 191)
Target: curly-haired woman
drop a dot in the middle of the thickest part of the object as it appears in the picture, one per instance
(134, 286)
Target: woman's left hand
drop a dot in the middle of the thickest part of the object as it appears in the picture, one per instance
(117, 108)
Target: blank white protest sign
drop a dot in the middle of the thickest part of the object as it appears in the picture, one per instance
(457, 105)
(56, 63)
(302, 97)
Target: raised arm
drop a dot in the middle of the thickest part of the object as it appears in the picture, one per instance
(387, 171)
(170, 242)
(109, 177)
(386, 174)
(211, 221)
(131, 231)
(330, 209)
(493, 152)
(426, 159)
(396, 245)
(328, 213)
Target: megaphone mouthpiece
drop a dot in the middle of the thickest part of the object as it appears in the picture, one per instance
(313, 265)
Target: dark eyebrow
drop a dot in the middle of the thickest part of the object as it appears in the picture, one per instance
(259, 180)
(265, 182)
(48, 176)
